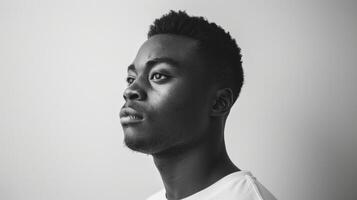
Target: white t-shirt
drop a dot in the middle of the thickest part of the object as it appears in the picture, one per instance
(241, 185)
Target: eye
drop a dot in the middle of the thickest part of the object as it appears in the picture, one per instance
(158, 77)
(130, 80)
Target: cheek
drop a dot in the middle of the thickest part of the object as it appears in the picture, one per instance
(179, 107)
(173, 98)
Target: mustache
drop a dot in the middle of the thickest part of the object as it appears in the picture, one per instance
(133, 105)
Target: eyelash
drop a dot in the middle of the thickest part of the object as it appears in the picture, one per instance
(130, 80)
(161, 75)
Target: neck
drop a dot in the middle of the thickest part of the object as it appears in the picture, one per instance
(194, 168)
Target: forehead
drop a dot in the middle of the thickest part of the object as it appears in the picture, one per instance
(181, 49)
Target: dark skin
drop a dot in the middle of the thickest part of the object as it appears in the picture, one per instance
(180, 114)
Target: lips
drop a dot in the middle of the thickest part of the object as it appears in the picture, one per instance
(129, 115)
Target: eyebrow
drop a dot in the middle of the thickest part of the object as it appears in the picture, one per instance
(155, 61)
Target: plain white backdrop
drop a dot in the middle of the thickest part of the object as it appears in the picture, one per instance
(62, 74)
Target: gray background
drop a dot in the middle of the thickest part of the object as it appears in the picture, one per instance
(62, 71)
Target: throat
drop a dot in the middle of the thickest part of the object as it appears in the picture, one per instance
(191, 171)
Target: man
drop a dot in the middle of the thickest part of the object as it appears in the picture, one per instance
(181, 87)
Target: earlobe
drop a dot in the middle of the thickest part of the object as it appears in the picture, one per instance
(223, 102)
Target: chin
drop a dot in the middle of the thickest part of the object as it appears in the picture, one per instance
(152, 142)
(146, 145)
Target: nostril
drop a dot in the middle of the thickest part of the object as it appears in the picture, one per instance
(134, 96)
(134, 93)
(131, 95)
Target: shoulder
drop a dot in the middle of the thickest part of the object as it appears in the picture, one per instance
(252, 189)
(159, 195)
(238, 185)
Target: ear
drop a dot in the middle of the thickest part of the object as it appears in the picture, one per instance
(223, 102)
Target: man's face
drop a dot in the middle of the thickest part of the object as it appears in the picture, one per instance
(169, 96)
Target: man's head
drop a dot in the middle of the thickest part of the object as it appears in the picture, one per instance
(181, 85)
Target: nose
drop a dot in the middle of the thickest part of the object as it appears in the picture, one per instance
(133, 92)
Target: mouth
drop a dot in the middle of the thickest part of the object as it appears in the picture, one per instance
(130, 116)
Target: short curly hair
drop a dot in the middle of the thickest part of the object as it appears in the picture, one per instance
(213, 40)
